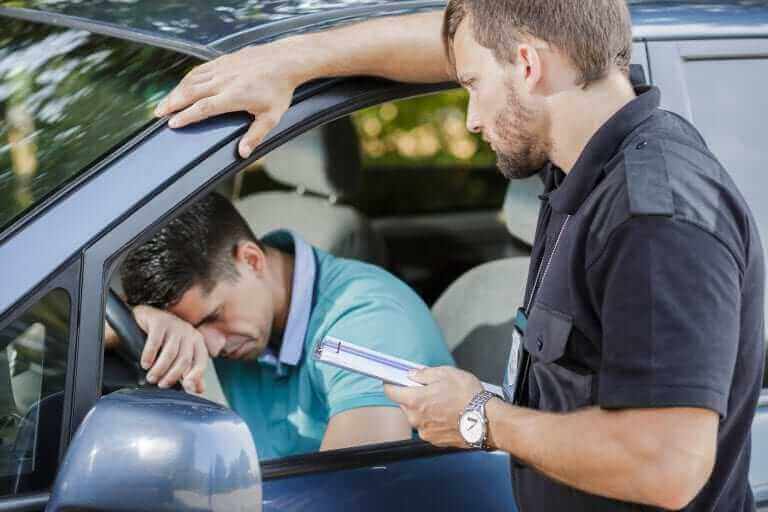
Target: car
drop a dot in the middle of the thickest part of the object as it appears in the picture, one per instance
(362, 167)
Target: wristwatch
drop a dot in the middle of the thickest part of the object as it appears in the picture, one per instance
(473, 424)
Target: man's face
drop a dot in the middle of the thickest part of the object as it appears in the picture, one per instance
(501, 108)
(235, 317)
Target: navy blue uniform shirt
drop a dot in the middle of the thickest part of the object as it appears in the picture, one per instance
(654, 297)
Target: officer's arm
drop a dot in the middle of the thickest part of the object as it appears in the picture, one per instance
(659, 457)
(261, 79)
(367, 425)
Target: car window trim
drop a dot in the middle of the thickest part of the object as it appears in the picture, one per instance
(107, 29)
(27, 502)
(351, 458)
(66, 278)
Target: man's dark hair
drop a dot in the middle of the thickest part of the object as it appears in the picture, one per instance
(195, 248)
(594, 34)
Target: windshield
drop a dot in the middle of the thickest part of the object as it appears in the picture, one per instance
(67, 97)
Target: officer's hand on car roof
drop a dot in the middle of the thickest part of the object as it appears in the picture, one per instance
(174, 350)
(259, 80)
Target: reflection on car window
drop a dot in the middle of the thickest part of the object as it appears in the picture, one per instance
(33, 363)
(66, 98)
(417, 157)
(424, 142)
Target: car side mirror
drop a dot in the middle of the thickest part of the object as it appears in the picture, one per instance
(159, 450)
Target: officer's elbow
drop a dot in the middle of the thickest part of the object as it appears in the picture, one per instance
(680, 479)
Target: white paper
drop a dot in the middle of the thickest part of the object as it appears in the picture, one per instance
(389, 369)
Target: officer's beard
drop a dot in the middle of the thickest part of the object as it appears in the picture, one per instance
(525, 135)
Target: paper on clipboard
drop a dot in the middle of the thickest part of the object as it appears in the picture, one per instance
(389, 369)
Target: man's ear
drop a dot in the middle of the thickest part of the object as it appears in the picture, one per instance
(250, 254)
(530, 62)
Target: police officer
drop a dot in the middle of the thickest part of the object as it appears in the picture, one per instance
(637, 361)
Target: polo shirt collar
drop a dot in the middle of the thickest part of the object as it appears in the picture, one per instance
(601, 148)
(302, 291)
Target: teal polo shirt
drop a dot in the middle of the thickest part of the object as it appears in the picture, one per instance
(287, 399)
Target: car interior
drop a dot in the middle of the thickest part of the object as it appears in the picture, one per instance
(322, 185)
(405, 186)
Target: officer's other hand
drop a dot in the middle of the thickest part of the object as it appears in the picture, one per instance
(259, 80)
(174, 350)
(434, 409)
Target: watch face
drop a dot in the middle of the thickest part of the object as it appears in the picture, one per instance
(472, 427)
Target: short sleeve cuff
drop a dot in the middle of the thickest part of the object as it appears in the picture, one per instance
(614, 395)
(360, 401)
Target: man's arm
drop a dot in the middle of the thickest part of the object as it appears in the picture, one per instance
(658, 457)
(174, 351)
(368, 425)
(261, 79)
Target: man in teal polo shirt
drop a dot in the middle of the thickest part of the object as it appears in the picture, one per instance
(260, 308)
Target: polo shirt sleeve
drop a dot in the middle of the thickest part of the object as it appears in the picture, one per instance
(668, 295)
(384, 325)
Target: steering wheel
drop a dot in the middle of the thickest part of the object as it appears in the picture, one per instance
(120, 317)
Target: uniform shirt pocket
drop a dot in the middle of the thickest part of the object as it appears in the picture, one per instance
(554, 386)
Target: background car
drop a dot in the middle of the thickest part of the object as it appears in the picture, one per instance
(86, 174)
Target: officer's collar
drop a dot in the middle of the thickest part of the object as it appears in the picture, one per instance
(601, 148)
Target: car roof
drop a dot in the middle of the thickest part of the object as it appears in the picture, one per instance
(206, 28)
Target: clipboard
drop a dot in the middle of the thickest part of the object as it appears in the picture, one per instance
(386, 368)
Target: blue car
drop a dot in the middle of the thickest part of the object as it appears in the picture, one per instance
(364, 168)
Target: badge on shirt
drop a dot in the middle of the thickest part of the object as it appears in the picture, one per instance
(510, 376)
(515, 351)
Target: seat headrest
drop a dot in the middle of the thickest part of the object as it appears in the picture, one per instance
(324, 161)
(521, 208)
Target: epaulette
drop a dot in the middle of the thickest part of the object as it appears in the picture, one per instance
(648, 187)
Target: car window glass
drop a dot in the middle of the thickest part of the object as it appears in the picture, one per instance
(66, 98)
(420, 142)
(33, 363)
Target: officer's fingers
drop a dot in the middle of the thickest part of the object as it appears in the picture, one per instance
(169, 351)
(184, 94)
(429, 375)
(214, 104)
(259, 129)
(194, 378)
(180, 365)
(400, 394)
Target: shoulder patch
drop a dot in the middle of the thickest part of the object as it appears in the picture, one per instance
(648, 187)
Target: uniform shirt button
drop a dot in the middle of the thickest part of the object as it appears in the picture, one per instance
(540, 343)
(642, 144)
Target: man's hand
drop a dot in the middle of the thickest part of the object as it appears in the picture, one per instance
(434, 409)
(174, 350)
(259, 80)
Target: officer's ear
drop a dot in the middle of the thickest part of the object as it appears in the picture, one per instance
(529, 66)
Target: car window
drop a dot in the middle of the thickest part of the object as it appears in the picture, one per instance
(33, 364)
(67, 97)
(422, 142)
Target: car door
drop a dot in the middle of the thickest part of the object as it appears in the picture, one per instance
(718, 85)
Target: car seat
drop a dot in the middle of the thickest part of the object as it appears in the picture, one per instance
(324, 167)
(477, 310)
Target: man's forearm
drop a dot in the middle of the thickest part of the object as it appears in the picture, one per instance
(616, 454)
(406, 48)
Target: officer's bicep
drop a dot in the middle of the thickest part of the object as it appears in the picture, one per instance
(669, 303)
